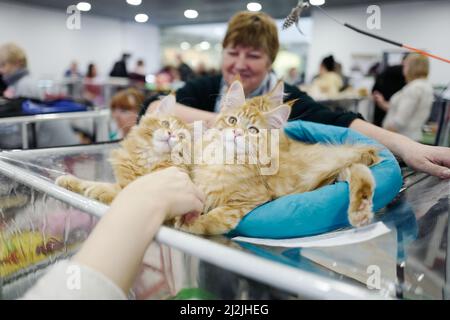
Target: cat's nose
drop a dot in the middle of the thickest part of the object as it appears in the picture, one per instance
(237, 132)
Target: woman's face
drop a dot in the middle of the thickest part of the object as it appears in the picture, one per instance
(252, 65)
(7, 68)
(125, 119)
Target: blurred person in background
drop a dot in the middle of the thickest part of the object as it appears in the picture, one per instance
(73, 77)
(186, 72)
(137, 76)
(292, 77)
(125, 106)
(328, 83)
(409, 109)
(20, 84)
(201, 70)
(387, 83)
(73, 71)
(250, 47)
(92, 87)
(140, 68)
(120, 67)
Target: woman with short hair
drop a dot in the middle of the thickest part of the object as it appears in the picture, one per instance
(409, 109)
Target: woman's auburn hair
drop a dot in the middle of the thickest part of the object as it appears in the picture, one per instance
(418, 66)
(129, 99)
(253, 29)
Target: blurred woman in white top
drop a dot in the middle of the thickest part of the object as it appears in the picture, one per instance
(409, 109)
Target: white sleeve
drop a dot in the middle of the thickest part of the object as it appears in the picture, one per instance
(67, 280)
(406, 108)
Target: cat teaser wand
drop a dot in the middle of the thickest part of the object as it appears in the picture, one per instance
(294, 18)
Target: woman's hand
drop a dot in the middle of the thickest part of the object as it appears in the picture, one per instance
(432, 160)
(429, 159)
(380, 101)
(170, 190)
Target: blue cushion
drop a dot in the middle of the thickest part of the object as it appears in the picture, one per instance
(324, 209)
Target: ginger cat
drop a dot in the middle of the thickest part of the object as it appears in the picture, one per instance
(152, 145)
(232, 190)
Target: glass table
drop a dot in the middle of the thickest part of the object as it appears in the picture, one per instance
(408, 262)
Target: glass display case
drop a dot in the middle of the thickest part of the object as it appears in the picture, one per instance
(41, 223)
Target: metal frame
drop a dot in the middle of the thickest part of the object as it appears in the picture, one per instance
(24, 121)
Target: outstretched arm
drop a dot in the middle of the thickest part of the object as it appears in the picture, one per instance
(420, 157)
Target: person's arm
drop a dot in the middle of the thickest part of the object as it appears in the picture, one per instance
(428, 159)
(114, 251)
(380, 101)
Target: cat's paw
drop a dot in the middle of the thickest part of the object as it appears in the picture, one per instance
(370, 156)
(185, 220)
(177, 222)
(68, 182)
(363, 215)
(100, 194)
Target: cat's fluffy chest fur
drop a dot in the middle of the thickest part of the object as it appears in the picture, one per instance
(229, 184)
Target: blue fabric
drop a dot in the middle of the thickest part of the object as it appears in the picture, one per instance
(62, 105)
(324, 209)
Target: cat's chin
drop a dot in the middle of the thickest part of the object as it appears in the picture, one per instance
(162, 147)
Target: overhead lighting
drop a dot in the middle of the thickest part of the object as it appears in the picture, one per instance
(204, 45)
(84, 6)
(191, 14)
(185, 45)
(141, 18)
(317, 2)
(134, 2)
(254, 6)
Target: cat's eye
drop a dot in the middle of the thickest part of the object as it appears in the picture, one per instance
(232, 120)
(181, 136)
(165, 124)
(253, 130)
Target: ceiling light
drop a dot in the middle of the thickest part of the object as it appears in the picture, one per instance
(84, 6)
(134, 2)
(254, 6)
(317, 2)
(185, 45)
(141, 18)
(191, 14)
(204, 45)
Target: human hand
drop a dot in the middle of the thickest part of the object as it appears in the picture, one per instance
(170, 191)
(379, 100)
(429, 159)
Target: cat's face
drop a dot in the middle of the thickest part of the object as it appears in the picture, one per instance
(164, 131)
(246, 123)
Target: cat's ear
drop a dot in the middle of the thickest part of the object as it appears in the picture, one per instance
(235, 96)
(167, 106)
(278, 117)
(276, 96)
